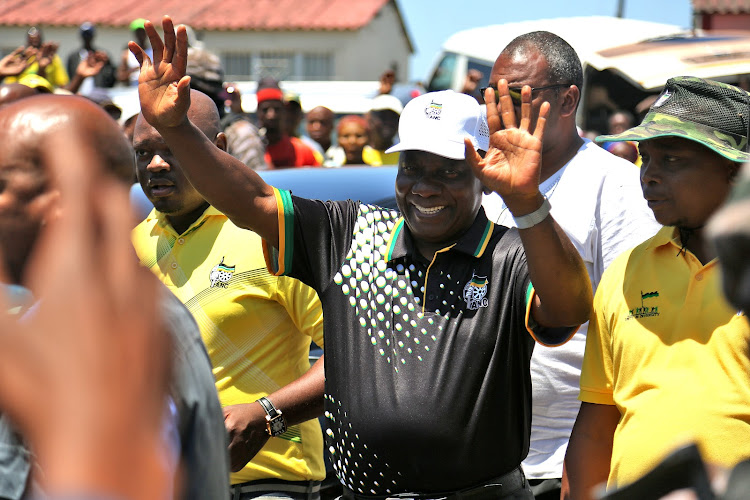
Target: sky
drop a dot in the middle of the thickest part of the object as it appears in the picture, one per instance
(430, 22)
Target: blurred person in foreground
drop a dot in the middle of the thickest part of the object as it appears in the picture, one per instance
(193, 426)
(440, 294)
(597, 201)
(729, 231)
(667, 358)
(84, 379)
(282, 150)
(257, 327)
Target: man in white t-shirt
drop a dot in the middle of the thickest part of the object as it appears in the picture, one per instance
(597, 200)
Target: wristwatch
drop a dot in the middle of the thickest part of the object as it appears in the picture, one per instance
(275, 423)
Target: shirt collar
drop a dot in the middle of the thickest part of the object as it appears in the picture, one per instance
(163, 222)
(667, 235)
(473, 242)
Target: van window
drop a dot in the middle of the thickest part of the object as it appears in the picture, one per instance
(442, 78)
(483, 68)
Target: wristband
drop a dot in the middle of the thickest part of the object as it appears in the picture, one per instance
(535, 217)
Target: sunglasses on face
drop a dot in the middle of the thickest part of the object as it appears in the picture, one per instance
(515, 92)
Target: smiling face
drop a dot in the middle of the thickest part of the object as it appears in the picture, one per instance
(683, 181)
(438, 197)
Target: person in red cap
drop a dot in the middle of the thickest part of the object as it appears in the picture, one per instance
(282, 151)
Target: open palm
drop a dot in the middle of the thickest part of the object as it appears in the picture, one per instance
(163, 88)
(512, 165)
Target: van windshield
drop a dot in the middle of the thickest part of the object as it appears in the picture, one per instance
(483, 68)
(442, 78)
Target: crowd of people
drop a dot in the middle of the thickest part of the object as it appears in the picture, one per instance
(542, 318)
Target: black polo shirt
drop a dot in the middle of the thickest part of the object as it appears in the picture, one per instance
(427, 364)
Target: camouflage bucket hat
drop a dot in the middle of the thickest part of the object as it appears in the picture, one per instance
(711, 113)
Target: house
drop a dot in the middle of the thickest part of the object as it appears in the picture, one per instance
(319, 40)
(721, 14)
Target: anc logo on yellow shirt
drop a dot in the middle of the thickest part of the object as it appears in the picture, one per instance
(644, 311)
(221, 274)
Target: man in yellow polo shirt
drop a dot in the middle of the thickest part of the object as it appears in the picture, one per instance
(666, 359)
(257, 327)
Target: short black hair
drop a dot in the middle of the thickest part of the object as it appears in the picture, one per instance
(562, 59)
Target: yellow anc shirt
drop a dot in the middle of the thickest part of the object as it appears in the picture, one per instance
(666, 348)
(257, 327)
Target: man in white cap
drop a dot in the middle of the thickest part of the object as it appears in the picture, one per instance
(430, 316)
(383, 120)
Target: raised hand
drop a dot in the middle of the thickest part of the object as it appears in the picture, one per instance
(512, 165)
(163, 87)
(91, 65)
(14, 63)
(45, 55)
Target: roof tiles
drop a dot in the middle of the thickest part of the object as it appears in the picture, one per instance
(259, 15)
(721, 6)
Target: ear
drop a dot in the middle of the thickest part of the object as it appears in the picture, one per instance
(221, 141)
(569, 99)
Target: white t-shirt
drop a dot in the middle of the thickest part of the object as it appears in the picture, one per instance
(597, 200)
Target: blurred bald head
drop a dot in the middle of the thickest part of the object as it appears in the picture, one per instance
(29, 197)
(11, 92)
(32, 119)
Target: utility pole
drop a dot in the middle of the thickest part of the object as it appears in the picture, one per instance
(620, 8)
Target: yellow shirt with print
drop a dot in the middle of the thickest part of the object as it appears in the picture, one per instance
(257, 327)
(666, 348)
(54, 73)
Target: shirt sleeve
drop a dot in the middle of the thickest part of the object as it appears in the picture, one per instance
(314, 238)
(596, 373)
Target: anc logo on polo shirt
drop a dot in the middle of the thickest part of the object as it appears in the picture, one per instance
(475, 292)
(221, 274)
(645, 311)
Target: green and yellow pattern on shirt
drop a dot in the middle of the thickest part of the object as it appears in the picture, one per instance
(257, 327)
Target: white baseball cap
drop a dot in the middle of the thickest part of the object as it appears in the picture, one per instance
(438, 122)
(386, 101)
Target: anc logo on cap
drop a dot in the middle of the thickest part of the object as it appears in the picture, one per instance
(433, 110)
